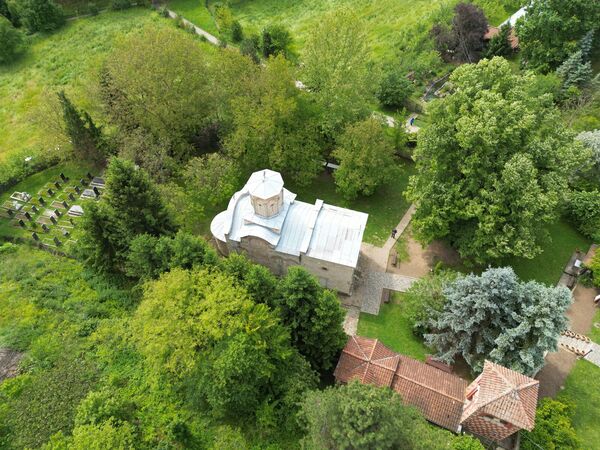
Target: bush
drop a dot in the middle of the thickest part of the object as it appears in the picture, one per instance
(499, 45)
(594, 266)
(119, 5)
(553, 428)
(394, 89)
(584, 211)
(11, 41)
(39, 15)
(276, 40)
(250, 47)
(237, 33)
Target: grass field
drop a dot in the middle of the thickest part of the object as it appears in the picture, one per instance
(392, 328)
(68, 59)
(583, 389)
(385, 207)
(387, 21)
(547, 267)
(195, 12)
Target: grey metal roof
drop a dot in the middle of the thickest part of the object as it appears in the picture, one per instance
(264, 184)
(320, 231)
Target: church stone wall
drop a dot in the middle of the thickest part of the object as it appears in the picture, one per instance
(330, 275)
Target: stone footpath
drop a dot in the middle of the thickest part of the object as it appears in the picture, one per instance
(376, 282)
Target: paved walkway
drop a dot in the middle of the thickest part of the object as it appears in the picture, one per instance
(400, 228)
(411, 128)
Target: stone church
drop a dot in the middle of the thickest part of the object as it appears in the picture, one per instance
(266, 221)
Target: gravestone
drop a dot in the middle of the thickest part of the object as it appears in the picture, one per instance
(82, 181)
(34, 209)
(10, 212)
(35, 236)
(90, 176)
(57, 185)
(71, 197)
(64, 203)
(50, 192)
(45, 228)
(53, 219)
(28, 216)
(21, 223)
(62, 176)
(77, 189)
(56, 241)
(57, 213)
(96, 191)
(41, 200)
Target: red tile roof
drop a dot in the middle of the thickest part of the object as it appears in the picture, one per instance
(439, 395)
(504, 394)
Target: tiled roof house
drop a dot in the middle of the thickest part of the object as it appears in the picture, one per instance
(495, 405)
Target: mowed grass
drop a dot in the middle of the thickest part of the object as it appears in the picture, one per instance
(583, 389)
(385, 207)
(393, 329)
(195, 12)
(69, 59)
(548, 266)
(388, 22)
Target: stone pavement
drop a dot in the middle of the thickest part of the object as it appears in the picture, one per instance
(376, 282)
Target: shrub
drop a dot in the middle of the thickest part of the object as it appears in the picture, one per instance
(39, 15)
(553, 428)
(584, 210)
(237, 33)
(394, 88)
(594, 266)
(499, 45)
(11, 41)
(119, 5)
(250, 47)
(276, 40)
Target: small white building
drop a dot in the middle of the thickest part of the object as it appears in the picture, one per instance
(267, 222)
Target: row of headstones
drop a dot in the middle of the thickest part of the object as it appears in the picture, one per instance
(56, 241)
(64, 179)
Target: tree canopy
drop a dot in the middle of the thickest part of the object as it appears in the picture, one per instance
(551, 29)
(493, 167)
(495, 316)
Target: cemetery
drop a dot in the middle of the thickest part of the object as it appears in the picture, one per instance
(46, 211)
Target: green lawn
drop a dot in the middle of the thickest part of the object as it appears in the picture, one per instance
(388, 21)
(195, 12)
(548, 267)
(583, 389)
(385, 207)
(392, 328)
(68, 59)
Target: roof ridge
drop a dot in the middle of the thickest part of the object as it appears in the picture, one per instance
(431, 388)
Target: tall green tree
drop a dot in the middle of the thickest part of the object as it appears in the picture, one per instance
(551, 29)
(493, 166)
(495, 316)
(314, 317)
(11, 41)
(336, 70)
(86, 138)
(499, 45)
(274, 126)
(129, 206)
(366, 157)
(38, 15)
(362, 416)
(162, 80)
(212, 178)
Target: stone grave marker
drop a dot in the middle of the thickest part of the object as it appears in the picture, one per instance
(77, 190)
(96, 191)
(35, 236)
(50, 192)
(82, 181)
(45, 228)
(62, 176)
(10, 212)
(56, 212)
(56, 241)
(34, 209)
(65, 204)
(57, 185)
(53, 219)
(90, 176)
(71, 197)
(21, 223)
(28, 216)
(41, 200)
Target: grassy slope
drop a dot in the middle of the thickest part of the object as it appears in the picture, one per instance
(67, 59)
(386, 20)
(393, 329)
(548, 266)
(195, 12)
